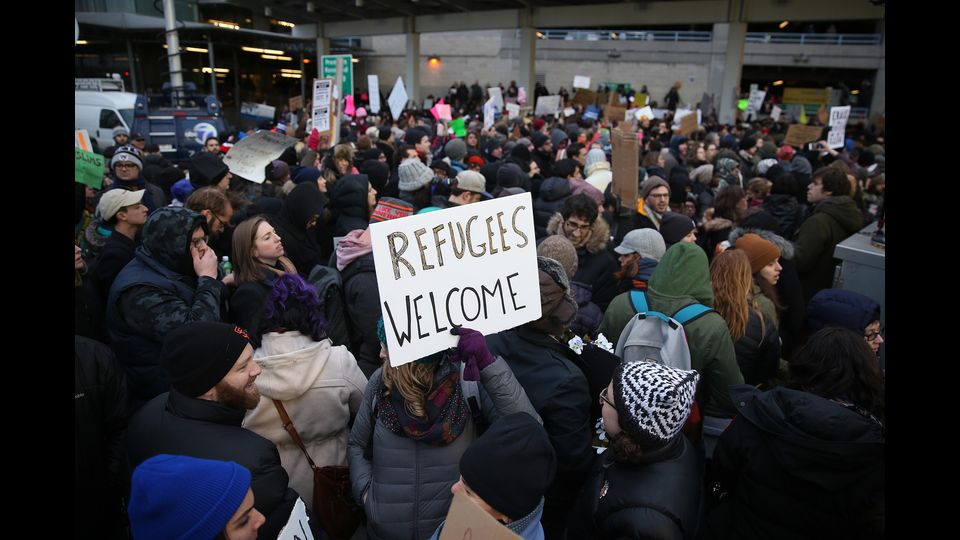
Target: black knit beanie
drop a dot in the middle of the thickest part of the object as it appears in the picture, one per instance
(198, 355)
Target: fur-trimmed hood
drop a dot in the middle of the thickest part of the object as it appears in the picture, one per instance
(600, 232)
(716, 224)
(785, 246)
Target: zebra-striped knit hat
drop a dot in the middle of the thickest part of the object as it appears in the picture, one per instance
(653, 401)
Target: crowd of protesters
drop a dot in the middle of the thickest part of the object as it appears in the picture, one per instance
(183, 364)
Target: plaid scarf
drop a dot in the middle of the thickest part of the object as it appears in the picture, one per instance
(445, 407)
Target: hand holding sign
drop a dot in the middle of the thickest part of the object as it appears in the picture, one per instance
(472, 351)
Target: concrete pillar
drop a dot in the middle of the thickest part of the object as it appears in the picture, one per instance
(213, 73)
(412, 77)
(131, 60)
(527, 77)
(726, 67)
(879, 99)
(173, 51)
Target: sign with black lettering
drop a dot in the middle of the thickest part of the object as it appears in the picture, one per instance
(297, 527)
(467, 521)
(474, 265)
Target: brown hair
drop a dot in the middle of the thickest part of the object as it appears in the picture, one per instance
(247, 269)
(208, 198)
(413, 381)
(732, 283)
(650, 159)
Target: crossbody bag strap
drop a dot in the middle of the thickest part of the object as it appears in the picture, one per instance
(288, 425)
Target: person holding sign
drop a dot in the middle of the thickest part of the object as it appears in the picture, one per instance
(415, 423)
(507, 471)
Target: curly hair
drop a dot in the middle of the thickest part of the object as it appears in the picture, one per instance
(837, 363)
(293, 305)
(732, 283)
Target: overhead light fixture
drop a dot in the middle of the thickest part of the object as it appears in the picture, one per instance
(287, 24)
(778, 83)
(224, 24)
(292, 75)
(275, 57)
(854, 92)
(290, 71)
(306, 60)
(433, 61)
(355, 60)
(82, 42)
(613, 35)
(784, 24)
(540, 35)
(214, 70)
(196, 49)
(261, 51)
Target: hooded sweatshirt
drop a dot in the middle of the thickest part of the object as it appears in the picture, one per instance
(682, 278)
(832, 221)
(308, 376)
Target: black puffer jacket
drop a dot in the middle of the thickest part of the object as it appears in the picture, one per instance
(758, 350)
(659, 498)
(177, 424)
(795, 465)
(786, 210)
(362, 298)
(553, 192)
(299, 244)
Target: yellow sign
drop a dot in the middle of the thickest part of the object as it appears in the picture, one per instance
(805, 95)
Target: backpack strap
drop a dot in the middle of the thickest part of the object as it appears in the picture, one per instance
(471, 394)
(691, 313)
(639, 301)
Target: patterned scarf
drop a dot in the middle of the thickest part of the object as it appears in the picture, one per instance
(446, 409)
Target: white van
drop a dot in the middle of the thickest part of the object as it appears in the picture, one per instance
(100, 112)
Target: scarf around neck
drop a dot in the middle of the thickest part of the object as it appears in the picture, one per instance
(444, 404)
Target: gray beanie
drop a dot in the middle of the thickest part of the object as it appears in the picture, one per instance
(560, 249)
(413, 175)
(554, 269)
(523, 141)
(557, 136)
(647, 242)
(127, 154)
(650, 183)
(456, 149)
(120, 130)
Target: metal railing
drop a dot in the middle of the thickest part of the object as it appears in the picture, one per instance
(689, 35)
(813, 39)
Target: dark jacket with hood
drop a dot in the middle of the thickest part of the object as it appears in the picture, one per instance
(833, 220)
(348, 203)
(155, 293)
(553, 192)
(795, 465)
(595, 264)
(715, 230)
(362, 298)
(173, 423)
(300, 244)
(682, 278)
(656, 499)
(620, 310)
(786, 210)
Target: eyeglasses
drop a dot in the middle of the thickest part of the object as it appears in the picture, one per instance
(225, 225)
(872, 336)
(124, 165)
(573, 225)
(604, 399)
(197, 241)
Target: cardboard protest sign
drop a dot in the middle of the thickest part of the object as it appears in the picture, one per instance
(297, 527)
(467, 521)
(547, 105)
(580, 81)
(398, 98)
(473, 265)
(775, 113)
(585, 97)
(458, 127)
(688, 123)
(799, 135)
(513, 110)
(250, 155)
(497, 96)
(322, 91)
(88, 168)
(625, 163)
(373, 89)
(81, 139)
(294, 103)
(839, 115)
(613, 112)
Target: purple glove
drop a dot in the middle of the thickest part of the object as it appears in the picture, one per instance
(472, 351)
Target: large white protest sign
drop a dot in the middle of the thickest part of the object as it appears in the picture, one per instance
(250, 155)
(547, 105)
(775, 113)
(755, 102)
(645, 112)
(835, 137)
(473, 265)
(489, 114)
(297, 527)
(373, 89)
(398, 98)
(580, 81)
(513, 110)
(839, 115)
(569, 111)
(496, 96)
(320, 113)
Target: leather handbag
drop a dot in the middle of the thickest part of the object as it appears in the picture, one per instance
(333, 503)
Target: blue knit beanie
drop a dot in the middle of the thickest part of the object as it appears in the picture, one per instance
(185, 498)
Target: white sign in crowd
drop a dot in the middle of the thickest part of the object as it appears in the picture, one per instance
(473, 265)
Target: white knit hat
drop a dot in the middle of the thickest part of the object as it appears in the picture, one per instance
(413, 175)
(653, 401)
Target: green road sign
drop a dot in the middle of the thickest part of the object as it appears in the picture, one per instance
(328, 70)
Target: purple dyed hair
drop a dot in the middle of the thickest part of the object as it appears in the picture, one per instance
(293, 305)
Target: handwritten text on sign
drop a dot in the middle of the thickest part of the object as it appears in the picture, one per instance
(474, 265)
